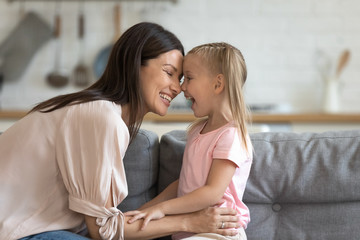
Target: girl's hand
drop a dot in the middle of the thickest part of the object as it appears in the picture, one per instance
(147, 214)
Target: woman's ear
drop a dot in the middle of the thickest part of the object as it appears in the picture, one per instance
(219, 83)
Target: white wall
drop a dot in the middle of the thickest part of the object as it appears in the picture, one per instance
(279, 40)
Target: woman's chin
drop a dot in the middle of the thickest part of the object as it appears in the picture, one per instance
(161, 111)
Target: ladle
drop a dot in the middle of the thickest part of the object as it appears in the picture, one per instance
(56, 78)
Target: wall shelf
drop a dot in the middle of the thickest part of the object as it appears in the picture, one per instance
(173, 1)
(256, 117)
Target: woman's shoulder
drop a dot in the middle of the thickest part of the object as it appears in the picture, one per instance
(96, 109)
(98, 113)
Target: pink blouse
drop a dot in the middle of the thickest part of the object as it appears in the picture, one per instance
(57, 167)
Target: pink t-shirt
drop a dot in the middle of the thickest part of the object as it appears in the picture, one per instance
(57, 166)
(200, 150)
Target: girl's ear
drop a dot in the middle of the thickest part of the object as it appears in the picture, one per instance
(219, 83)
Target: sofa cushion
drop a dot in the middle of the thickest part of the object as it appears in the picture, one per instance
(301, 185)
(141, 163)
(305, 186)
(172, 147)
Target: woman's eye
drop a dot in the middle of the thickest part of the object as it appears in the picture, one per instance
(168, 73)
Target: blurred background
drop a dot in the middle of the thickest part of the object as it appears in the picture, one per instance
(298, 52)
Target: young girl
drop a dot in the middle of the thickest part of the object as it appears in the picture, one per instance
(218, 153)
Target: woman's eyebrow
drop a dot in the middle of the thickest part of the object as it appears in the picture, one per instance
(168, 64)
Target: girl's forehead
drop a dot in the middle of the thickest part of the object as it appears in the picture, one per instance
(194, 59)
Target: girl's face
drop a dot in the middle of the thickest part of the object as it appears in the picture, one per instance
(160, 81)
(198, 85)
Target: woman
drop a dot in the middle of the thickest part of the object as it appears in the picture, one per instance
(62, 163)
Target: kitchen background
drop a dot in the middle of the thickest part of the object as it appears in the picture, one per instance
(292, 47)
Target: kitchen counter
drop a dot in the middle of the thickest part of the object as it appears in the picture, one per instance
(256, 117)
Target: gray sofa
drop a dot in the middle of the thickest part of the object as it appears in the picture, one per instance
(301, 186)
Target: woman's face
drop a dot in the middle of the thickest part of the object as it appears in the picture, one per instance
(198, 85)
(160, 81)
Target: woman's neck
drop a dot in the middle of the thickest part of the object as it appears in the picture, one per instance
(125, 114)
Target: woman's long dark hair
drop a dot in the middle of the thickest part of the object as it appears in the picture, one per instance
(120, 80)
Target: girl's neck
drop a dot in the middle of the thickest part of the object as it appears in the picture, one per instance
(216, 121)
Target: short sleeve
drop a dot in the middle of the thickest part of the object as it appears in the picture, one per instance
(90, 147)
(229, 146)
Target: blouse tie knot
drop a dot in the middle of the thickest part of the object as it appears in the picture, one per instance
(109, 224)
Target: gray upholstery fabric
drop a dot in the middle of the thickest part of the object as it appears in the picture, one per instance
(171, 152)
(305, 186)
(141, 165)
(301, 186)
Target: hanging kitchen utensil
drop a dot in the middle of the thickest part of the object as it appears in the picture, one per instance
(103, 56)
(343, 60)
(81, 72)
(56, 78)
(21, 45)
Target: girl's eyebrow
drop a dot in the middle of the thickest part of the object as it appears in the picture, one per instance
(168, 64)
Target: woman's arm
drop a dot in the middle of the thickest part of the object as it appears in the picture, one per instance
(220, 175)
(206, 220)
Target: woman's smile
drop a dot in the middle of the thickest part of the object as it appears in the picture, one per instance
(160, 79)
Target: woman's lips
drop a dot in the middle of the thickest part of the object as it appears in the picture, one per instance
(166, 97)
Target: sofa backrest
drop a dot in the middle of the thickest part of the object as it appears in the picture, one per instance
(301, 186)
(141, 164)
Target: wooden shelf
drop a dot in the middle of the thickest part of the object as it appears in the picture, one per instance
(256, 117)
(173, 1)
(269, 118)
(9, 114)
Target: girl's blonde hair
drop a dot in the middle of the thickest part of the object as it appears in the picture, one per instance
(223, 58)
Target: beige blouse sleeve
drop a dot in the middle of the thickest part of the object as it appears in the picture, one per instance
(90, 147)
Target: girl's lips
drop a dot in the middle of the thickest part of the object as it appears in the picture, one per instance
(190, 99)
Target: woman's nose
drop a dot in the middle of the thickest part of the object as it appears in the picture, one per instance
(175, 87)
(183, 86)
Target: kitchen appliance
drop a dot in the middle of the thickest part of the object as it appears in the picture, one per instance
(21, 45)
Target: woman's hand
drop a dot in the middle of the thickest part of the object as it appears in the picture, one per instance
(213, 220)
(148, 214)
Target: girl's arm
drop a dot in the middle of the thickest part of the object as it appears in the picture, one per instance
(207, 220)
(219, 178)
(168, 193)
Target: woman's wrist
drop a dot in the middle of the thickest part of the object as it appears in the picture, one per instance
(185, 222)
